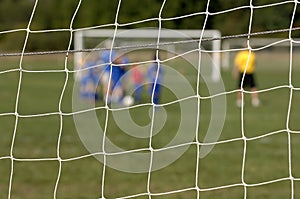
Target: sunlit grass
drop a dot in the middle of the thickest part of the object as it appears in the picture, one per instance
(55, 136)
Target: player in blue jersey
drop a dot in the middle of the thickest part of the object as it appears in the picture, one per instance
(117, 87)
(155, 71)
(112, 71)
(89, 82)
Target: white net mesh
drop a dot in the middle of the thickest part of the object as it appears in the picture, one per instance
(185, 137)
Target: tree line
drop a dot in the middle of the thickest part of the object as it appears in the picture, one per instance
(174, 14)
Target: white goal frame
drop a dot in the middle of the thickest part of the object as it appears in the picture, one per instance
(152, 34)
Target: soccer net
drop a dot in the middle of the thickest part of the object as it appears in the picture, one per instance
(134, 113)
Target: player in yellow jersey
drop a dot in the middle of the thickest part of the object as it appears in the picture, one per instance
(245, 61)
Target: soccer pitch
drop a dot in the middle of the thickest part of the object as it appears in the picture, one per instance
(267, 148)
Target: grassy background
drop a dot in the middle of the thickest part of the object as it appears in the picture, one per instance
(267, 157)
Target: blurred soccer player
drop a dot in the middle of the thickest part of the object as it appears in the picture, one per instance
(155, 88)
(245, 61)
(137, 79)
(89, 82)
(111, 69)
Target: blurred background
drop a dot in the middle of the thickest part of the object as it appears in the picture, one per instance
(42, 156)
(57, 14)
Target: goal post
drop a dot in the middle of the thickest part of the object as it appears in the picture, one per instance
(169, 36)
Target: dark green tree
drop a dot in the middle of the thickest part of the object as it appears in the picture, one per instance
(177, 14)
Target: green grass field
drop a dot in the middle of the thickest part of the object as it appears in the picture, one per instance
(267, 157)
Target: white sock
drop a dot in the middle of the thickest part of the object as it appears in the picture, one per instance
(239, 103)
(255, 102)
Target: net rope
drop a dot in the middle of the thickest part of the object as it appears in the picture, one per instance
(197, 188)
